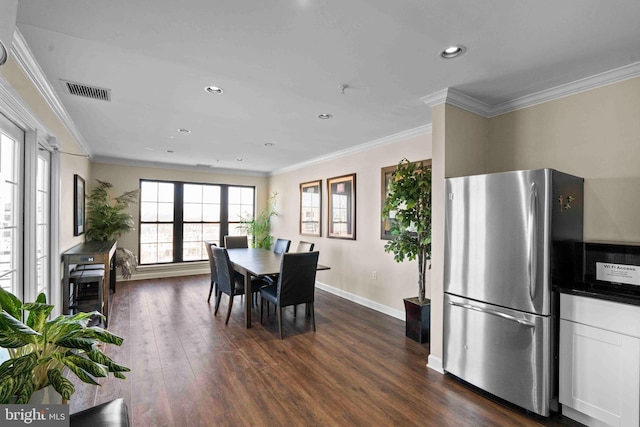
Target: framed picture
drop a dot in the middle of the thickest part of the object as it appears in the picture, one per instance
(78, 205)
(342, 207)
(386, 221)
(311, 208)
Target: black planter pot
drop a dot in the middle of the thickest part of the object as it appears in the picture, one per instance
(418, 319)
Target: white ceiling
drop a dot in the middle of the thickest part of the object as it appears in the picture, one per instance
(281, 63)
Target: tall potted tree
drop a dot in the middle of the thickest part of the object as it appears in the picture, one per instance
(408, 204)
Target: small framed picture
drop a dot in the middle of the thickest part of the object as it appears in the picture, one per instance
(78, 205)
(342, 207)
(311, 208)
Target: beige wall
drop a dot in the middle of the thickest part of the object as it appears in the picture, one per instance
(595, 135)
(69, 164)
(125, 178)
(353, 261)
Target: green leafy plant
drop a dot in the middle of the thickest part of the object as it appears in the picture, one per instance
(408, 202)
(259, 228)
(107, 216)
(108, 219)
(40, 349)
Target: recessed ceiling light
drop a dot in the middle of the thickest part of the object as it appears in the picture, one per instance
(170, 151)
(269, 144)
(214, 89)
(453, 52)
(181, 130)
(148, 148)
(325, 116)
(239, 159)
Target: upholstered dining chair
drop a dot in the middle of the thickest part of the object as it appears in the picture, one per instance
(228, 282)
(296, 285)
(305, 246)
(281, 246)
(212, 267)
(235, 242)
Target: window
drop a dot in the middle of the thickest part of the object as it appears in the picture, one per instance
(11, 160)
(43, 223)
(176, 218)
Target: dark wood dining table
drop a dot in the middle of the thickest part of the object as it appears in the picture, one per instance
(255, 262)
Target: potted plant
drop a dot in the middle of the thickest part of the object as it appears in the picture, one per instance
(408, 203)
(259, 228)
(41, 349)
(108, 219)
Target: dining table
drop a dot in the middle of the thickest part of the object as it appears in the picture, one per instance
(256, 262)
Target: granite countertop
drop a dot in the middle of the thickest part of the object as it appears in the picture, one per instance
(594, 291)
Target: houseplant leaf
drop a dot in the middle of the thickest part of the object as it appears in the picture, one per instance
(101, 358)
(11, 304)
(60, 383)
(15, 329)
(87, 365)
(7, 390)
(38, 312)
(24, 387)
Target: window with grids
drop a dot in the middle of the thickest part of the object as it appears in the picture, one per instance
(176, 218)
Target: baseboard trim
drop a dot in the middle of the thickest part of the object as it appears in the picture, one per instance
(435, 363)
(398, 314)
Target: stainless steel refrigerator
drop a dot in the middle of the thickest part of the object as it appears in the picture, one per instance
(508, 237)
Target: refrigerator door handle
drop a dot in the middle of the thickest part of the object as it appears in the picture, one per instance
(495, 313)
(533, 233)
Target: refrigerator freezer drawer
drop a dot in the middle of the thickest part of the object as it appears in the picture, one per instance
(504, 352)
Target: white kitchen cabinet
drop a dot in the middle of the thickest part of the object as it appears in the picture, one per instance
(599, 370)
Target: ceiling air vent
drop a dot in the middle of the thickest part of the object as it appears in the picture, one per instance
(93, 92)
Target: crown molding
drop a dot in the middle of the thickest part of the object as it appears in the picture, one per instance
(160, 165)
(391, 139)
(588, 83)
(466, 102)
(27, 62)
(458, 99)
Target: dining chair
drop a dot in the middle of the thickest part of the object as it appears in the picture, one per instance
(305, 246)
(302, 247)
(296, 285)
(228, 282)
(235, 242)
(281, 246)
(212, 267)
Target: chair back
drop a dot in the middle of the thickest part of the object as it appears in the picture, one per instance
(297, 280)
(224, 270)
(212, 262)
(305, 246)
(235, 242)
(281, 246)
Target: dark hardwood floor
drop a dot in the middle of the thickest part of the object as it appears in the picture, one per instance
(358, 369)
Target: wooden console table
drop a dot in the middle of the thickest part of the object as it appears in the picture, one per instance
(90, 253)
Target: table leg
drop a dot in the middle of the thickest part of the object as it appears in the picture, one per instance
(247, 299)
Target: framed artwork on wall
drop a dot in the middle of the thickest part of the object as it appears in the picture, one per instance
(342, 207)
(386, 221)
(311, 208)
(78, 205)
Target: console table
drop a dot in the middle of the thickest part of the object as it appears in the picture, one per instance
(90, 253)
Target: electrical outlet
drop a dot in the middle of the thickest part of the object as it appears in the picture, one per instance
(374, 275)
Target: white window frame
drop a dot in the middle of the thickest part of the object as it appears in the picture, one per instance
(36, 135)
